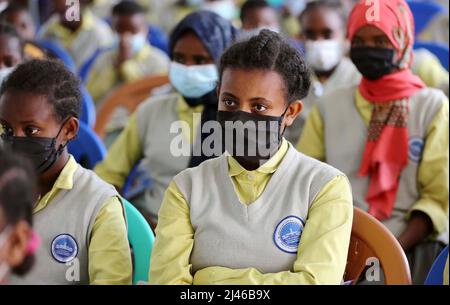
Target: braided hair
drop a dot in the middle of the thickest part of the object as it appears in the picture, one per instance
(51, 79)
(269, 51)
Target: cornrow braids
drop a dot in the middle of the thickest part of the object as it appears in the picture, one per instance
(269, 51)
(51, 79)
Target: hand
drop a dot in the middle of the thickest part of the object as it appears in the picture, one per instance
(419, 227)
(125, 49)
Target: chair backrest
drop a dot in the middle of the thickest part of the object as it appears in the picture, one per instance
(371, 239)
(129, 96)
(55, 50)
(441, 51)
(87, 148)
(141, 239)
(423, 12)
(436, 274)
(87, 108)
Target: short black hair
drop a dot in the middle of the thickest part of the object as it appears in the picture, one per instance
(17, 195)
(334, 5)
(50, 78)
(252, 5)
(269, 51)
(9, 30)
(127, 8)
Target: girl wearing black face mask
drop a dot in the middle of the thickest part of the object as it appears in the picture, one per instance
(78, 216)
(389, 134)
(239, 218)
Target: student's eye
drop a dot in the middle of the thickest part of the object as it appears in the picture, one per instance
(178, 59)
(357, 42)
(260, 108)
(328, 34)
(31, 131)
(381, 43)
(200, 60)
(229, 102)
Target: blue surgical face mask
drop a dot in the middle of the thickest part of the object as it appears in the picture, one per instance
(138, 41)
(224, 8)
(193, 81)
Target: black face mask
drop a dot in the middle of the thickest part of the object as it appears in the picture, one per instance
(250, 138)
(373, 63)
(39, 150)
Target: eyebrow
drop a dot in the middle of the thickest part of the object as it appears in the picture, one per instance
(253, 99)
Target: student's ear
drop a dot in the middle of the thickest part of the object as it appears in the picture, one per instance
(18, 244)
(70, 129)
(292, 112)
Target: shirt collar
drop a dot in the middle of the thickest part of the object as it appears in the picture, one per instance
(65, 178)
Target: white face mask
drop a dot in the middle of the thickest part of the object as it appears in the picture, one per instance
(138, 41)
(225, 8)
(247, 34)
(323, 55)
(4, 267)
(4, 73)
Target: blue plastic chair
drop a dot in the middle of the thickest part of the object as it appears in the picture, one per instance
(440, 50)
(58, 51)
(436, 274)
(87, 148)
(88, 114)
(424, 12)
(141, 239)
(86, 67)
(158, 38)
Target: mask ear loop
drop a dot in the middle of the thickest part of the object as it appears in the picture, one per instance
(61, 147)
(280, 137)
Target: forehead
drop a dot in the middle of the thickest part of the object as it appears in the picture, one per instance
(370, 31)
(261, 12)
(322, 17)
(18, 107)
(248, 84)
(189, 42)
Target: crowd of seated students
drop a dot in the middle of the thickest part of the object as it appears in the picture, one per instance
(341, 108)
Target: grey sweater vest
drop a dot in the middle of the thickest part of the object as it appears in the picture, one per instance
(65, 227)
(154, 120)
(263, 235)
(345, 135)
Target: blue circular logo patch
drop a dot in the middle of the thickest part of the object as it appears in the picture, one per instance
(287, 234)
(415, 148)
(64, 248)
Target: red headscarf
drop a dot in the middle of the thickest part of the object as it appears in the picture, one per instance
(386, 151)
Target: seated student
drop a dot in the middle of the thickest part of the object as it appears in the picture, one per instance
(132, 58)
(274, 217)
(81, 38)
(20, 17)
(78, 216)
(323, 33)
(195, 44)
(257, 15)
(18, 242)
(11, 50)
(389, 135)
